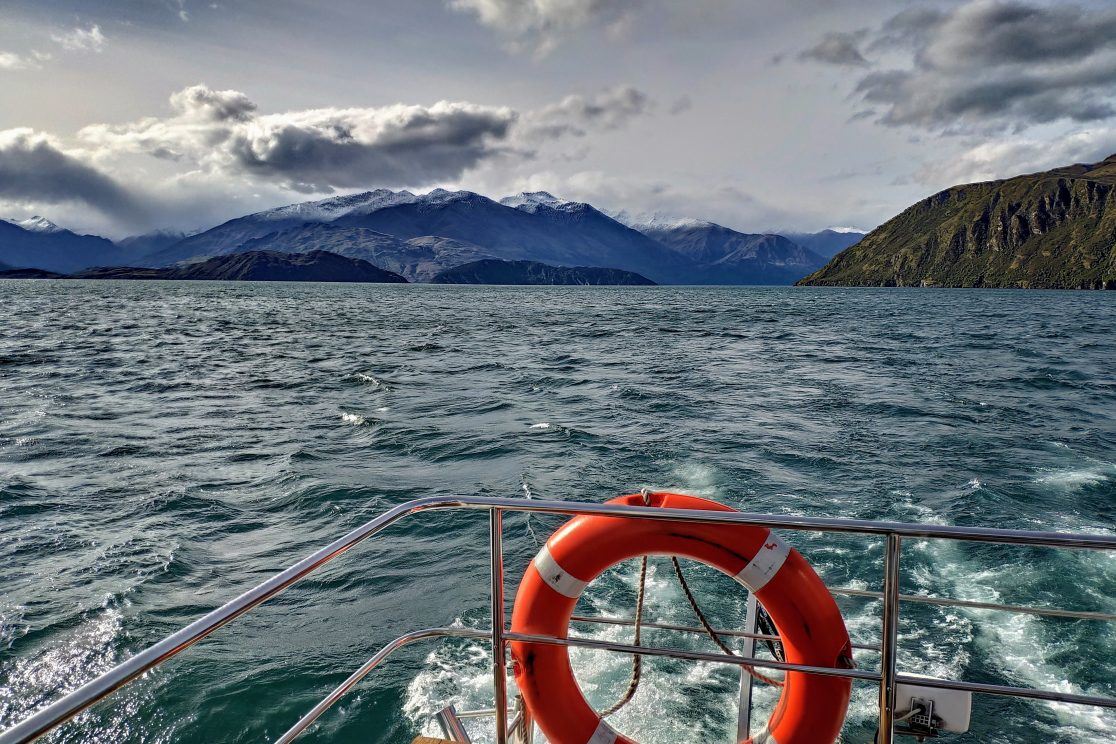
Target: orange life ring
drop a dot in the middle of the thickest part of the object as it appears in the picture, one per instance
(811, 708)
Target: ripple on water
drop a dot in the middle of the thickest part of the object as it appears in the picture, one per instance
(167, 447)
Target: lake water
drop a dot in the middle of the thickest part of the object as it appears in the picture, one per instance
(164, 446)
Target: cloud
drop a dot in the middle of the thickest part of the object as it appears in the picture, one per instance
(726, 204)
(320, 150)
(12, 61)
(180, 7)
(317, 149)
(681, 105)
(200, 102)
(1004, 158)
(576, 115)
(34, 168)
(81, 39)
(837, 48)
(989, 65)
(214, 154)
(540, 25)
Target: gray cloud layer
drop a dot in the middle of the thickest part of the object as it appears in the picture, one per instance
(319, 150)
(837, 48)
(34, 167)
(219, 136)
(987, 64)
(576, 115)
(315, 150)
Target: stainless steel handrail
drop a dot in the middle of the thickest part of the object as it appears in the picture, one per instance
(98, 688)
(362, 672)
(731, 633)
(950, 602)
(703, 656)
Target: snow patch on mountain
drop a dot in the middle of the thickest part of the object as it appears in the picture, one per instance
(37, 224)
(656, 221)
(532, 201)
(335, 207)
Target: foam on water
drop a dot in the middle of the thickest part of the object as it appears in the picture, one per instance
(1076, 478)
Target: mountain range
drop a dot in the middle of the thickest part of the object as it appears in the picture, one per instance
(421, 235)
(40, 244)
(1050, 230)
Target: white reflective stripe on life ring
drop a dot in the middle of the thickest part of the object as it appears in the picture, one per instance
(604, 734)
(768, 560)
(556, 577)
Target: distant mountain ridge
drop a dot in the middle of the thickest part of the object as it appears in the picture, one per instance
(826, 243)
(421, 235)
(1052, 230)
(258, 266)
(40, 244)
(731, 256)
(494, 271)
(561, 236)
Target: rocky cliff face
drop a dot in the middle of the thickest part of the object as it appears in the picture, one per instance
(1052, 230)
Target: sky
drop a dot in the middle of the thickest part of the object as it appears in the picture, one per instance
(123, 116)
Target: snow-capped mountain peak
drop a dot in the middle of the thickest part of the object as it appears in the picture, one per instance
(656, 221)
(37, 224)
(328, 210)
(443, 196)
(528, 198)
(530, 201)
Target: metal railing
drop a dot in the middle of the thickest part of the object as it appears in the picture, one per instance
(499, 636)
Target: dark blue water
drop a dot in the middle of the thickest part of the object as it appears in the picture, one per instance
(165, 446)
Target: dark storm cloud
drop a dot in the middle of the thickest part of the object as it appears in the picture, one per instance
(837, 48)
(34, 168)
(992, 64)
(319, 150)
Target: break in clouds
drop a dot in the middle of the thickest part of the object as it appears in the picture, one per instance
(222, 133)
(985, 65)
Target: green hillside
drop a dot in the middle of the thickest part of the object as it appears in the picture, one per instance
(1052, 230)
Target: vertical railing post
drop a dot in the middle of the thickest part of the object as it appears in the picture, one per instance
(744, 709)
(890, 640)
(499, 658)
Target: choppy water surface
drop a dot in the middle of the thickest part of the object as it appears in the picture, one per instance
(165, 446)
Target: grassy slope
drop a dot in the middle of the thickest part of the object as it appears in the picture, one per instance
(1048, 230)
